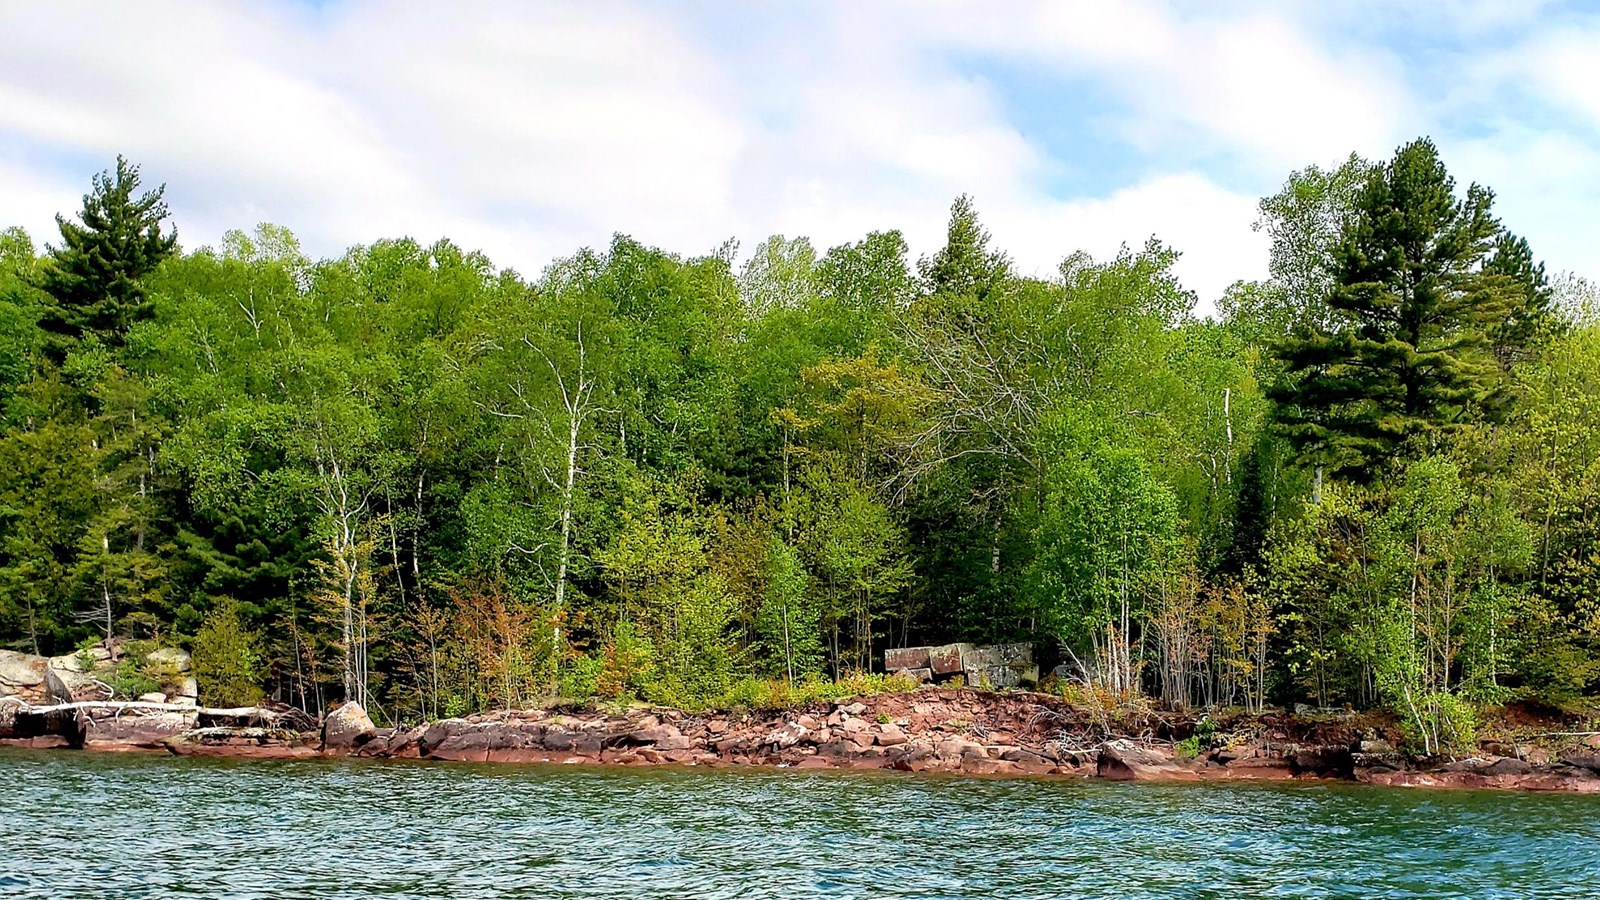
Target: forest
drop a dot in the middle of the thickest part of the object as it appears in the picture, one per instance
(410, 478)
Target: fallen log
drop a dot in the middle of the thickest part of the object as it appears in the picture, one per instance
(19, 719)
(117, 707)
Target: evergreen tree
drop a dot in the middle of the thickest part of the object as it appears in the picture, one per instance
(1528, 312)
(94, 286)
(965, 267)
(1407, 350)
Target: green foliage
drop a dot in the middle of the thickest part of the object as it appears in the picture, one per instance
(228, 659)
(405, 475)
(95, 280)
(1406, 350)
(756, 693)
(1440, 724)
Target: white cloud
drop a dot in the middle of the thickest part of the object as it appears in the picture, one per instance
(531, 130)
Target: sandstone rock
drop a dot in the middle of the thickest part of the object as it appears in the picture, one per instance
(946, 660)
(905, 658)
(921, 674)
(661, 737)
(347, 727)
(68, 662)
(891, 736)
(153, 697)
(786, 736)
(1322, 760)
(853, 709)
(136, 732)
(190, 687)
(1121, 760)
(1508, 766)
(170, 658)
(19, 671)
(1590, 762)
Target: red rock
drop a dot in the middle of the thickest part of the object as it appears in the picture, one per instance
(1121, 760)
(346, 728)
(891, 736)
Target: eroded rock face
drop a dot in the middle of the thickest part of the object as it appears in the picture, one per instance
(347, 727)
(135, 731)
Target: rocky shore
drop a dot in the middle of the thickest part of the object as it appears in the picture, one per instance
(931, 730)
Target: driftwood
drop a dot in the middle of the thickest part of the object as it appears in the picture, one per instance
(119, 706)
(21, 719)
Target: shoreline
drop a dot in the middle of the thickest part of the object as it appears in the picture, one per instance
(953, 731)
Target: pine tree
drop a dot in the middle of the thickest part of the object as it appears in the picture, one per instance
(1528, 315)
(1407, 350)
(94, 285)
(965, 266)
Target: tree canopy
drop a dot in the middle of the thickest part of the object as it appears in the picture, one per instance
(408, 476)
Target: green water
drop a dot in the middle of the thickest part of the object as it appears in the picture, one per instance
(86, 825)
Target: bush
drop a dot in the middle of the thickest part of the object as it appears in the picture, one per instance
(580, 680)
(227, 658)
(627, 664)
(1440, 723)
(129, 680)
(756, 693)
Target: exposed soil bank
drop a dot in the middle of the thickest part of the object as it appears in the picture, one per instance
(931, 730)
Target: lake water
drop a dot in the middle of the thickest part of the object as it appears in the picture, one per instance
(95, 825)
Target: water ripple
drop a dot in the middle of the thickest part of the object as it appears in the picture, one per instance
(79, 825)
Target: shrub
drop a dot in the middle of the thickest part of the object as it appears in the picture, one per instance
(129, 680)
(1440, 723)
(580, 680)
(227, 658)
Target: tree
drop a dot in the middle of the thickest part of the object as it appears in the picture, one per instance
(1407, 350)
(1304, 221)
(229, 662)
(95, 283)
(965, 266)
(1108, 542)
(790, 617)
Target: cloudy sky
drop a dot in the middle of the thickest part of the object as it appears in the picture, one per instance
(531, 129)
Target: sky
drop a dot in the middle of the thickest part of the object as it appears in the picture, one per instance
(529, 130)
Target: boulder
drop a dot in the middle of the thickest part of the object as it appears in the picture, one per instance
(21, 672)
(170, 658)
(921, 675)
(905, 658)
(153, 697)
(662, 737)
(347, 727)
(946, 660)
(891, 736)
(67, 662)
(999, 666)
(1121, 760)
